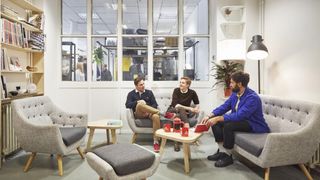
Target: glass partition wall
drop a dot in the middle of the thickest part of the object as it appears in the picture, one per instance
(160, 40)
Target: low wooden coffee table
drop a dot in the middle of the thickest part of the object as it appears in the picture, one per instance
(186, 141)
(107, 124)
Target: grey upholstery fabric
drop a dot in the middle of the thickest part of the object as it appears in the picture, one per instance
(144, 126)
(71, 135)
(106, 171)
(148, 123)
(36, 128)
(294, 135)
(126, 158)
(253, 143)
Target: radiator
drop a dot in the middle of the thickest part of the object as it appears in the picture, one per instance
(9, 140)
(316, 158)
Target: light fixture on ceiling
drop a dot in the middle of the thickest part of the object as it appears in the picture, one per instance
(84, 15)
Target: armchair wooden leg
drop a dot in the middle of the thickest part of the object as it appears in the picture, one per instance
(80, 152)
(305, 171)
(100, 178)
(266, 174)
(27, 166)
(134, 137)
(59, 158)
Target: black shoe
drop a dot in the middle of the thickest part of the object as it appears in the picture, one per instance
(216, 156)
(225, 161)
(176, 147)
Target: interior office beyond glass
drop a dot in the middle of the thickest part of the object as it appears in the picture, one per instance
(137, 54)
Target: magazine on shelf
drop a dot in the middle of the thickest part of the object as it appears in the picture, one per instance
(15, 64)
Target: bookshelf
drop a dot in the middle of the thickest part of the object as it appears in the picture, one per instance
(22, 46)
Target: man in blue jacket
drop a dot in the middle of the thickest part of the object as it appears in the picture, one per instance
(246, 116)
(144, 105)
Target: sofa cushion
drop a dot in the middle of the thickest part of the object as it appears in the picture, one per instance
(126, 158)
(251, 142)
(71, 135)
(148, 122)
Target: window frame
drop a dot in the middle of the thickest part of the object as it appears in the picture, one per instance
(150, 35)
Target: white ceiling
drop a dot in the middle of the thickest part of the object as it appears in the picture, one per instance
(134, 17)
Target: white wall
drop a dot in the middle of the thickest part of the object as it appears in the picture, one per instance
(292, 36)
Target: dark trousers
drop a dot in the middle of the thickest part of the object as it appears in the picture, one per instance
(224, 131)
(183, 114)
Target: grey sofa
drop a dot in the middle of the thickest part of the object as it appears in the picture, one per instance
(41, 127)
(144, 126)
(294, 136)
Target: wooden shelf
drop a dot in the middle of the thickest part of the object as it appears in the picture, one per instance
(10, 46)
(27, 5)
(24, 24)
(14, 72)
(11, 98)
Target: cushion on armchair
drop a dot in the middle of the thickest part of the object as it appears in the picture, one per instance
(126, 158)
(251, 142)
(71, 135)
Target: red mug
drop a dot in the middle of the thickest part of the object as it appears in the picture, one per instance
(167, 127)
(185, 132)
(177, 124)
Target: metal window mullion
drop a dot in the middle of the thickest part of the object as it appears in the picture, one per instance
(119, 40)
(150, 39)
(89, 57)
(181, 37)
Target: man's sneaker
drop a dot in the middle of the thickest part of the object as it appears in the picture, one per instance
(226, 160)
(156, 147)
(215, 157)
(169, 115)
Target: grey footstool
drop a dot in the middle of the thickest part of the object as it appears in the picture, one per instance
(123, 161)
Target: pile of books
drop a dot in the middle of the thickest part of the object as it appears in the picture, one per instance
(37, 41)
(14, 34)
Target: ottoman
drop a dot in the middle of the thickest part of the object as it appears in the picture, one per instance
(123, 161)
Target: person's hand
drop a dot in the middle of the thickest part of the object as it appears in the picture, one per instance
(178, 106)
(214, 120)
(204, 120)
(195, 110)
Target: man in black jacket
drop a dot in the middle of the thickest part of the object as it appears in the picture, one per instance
(144, 105)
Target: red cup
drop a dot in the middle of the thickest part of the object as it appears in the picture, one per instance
(185, 132)
(167, 127)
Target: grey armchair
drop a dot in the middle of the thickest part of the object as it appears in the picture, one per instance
(294, 135)
(41, 127)
(144, 126)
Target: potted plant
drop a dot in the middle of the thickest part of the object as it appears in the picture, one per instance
(98, 55)
(222, 73)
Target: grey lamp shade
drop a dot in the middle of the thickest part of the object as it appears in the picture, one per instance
(257, 50)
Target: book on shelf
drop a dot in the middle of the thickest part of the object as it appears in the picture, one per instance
(15, 34)
(4, 87)
(4, 59)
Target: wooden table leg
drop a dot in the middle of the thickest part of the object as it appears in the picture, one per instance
(163, 144)
(90, 138)
(114, 136)
(186, 157)
(189, 152)
(108, 136)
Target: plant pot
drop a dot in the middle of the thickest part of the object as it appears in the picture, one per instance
(227, 92)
